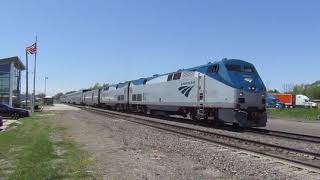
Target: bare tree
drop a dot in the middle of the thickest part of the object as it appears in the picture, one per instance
(288, 88)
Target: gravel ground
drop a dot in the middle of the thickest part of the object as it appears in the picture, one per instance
(307, 146)
(125, 150)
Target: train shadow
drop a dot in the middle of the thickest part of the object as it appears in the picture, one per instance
(186, 120)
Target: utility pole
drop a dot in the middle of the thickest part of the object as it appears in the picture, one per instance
(45, 86)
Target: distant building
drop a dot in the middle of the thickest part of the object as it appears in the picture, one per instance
(10, 80)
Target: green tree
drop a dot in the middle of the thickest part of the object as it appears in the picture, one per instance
(58, 96)
(69, 92)
(41, 95)
(310, 90)
(273, 91)
(99, 85)
(298, 89)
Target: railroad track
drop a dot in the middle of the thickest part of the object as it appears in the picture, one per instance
(259, 131)
(287, 135)
(299, 157)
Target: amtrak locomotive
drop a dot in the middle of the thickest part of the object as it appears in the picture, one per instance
(228, 91)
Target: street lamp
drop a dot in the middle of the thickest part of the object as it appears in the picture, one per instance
(45, 85)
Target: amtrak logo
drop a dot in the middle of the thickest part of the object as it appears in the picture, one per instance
(185, 90)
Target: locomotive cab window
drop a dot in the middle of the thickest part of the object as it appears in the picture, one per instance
(233, 67)
(169, 77)
(213, 69)
(177, 76)
(249, 69)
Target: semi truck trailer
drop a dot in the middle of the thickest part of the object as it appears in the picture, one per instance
(291, 100)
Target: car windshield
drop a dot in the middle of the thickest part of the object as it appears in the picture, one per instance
(6, 105)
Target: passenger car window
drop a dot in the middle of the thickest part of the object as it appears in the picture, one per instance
(169, 77)
(139, 97)
(134, 97)
(177, 76)
(213, 68)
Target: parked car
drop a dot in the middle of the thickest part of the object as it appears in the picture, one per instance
(272, 102)
(1, 121)
(9, 111)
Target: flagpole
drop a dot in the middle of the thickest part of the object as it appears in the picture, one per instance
(27, 97)
(34, 78)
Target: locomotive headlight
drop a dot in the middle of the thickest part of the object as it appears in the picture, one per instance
(253, 88)
(241, 94)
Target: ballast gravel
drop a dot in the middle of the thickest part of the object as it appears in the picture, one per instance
(297, 144)
(126, 150)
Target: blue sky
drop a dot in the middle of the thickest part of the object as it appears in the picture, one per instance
(83, 42)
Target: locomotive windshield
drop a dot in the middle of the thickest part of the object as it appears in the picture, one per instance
(233, 67)
(242, 75)
(249, 69)
(238, 68)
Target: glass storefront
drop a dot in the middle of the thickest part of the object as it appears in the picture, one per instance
(5, 72)
(5, 83)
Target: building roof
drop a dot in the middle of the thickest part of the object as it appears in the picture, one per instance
(16, 60)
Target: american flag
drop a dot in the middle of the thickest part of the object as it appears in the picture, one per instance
(32, 49)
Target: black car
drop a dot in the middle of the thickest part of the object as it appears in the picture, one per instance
(9, 111)
(1, 122)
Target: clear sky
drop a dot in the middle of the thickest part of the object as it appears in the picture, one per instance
(81, 42)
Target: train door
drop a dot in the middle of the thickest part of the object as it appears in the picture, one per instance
(126, 95)
(201, 94)
(92, 97)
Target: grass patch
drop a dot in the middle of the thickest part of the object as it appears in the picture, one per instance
(29, 152)
(295, 114)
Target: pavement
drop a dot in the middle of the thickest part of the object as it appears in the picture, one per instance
(310, 128)
(60, 107)
(7, 122)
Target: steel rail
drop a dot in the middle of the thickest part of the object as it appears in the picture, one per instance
(288, 135)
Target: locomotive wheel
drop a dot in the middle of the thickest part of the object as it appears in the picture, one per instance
(193, 115)
(217, 123)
